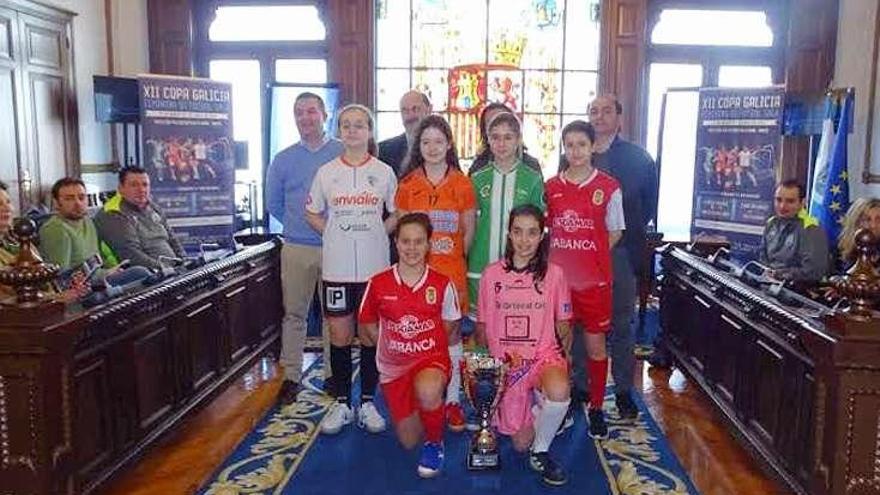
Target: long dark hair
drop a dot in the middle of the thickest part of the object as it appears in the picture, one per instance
(537, 266)
(575, 126)
(416, 160)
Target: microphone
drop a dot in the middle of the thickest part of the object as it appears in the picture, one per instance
(118, 284)
(172, 260)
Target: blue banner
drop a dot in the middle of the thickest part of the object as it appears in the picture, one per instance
(188, 152)
(738, 139)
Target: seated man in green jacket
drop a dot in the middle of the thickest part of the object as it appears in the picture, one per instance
(134, 227)
(69, 237)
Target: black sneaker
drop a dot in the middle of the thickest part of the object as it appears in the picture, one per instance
(328, 386)
(288, 392)
(626, 407)
(551, 473)
(598, 428)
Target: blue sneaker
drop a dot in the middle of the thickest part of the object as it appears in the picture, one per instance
(431, 460)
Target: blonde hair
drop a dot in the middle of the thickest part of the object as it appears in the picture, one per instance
(852, 224)
(371, 144)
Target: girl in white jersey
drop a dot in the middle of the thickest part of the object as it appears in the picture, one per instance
(345, 205)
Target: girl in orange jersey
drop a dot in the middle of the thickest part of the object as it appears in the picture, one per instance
(436, 186)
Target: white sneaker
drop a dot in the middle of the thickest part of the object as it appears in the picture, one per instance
(370, 419)
(338, 416)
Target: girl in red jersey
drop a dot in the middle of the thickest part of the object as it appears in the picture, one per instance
(585, 218)
(435, 185)
(408, 312)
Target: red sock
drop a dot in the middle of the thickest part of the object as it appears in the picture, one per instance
(432, 421)
(598, 372)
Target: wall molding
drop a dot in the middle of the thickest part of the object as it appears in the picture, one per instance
(869, 176)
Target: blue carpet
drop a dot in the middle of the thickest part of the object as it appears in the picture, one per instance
(284, 454)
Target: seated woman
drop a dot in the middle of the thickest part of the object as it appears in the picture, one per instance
(9, 251)
(408, 312)
(863, 214)
(523, 317)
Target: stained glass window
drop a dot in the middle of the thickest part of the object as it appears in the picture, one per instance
(540, 57)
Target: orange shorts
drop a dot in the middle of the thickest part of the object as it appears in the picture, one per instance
(592, 308)
(400, 394)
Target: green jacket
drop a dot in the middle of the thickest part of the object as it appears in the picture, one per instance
(68, 243)
(497, 194)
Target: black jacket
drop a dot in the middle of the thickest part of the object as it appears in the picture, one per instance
(634, 169)
(394, 152)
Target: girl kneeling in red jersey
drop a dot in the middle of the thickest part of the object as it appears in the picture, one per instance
(408, 312)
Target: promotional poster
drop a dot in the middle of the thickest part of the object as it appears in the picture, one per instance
(188, 152)
(738, 140)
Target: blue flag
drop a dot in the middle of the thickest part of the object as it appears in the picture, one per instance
(835, 198)
(820, 167)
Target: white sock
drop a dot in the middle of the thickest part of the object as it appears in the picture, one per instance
(454, 385)
(547, 421)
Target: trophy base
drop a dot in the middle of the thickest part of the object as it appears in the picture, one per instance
(483, 462)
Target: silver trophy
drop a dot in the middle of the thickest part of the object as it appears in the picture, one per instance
(483, 378)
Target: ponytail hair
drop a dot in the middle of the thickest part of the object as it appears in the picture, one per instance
(537, 266)
(372, 148)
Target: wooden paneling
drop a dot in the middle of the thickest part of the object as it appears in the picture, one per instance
(351, 64)
(38, 131)
(238, 319)
(88, 393)
(263, 289)
(44, 46)
(153, 367)
(809, 67)
(47, 132)
(10, 100)
(94, 423)
(171, 36)
(9, 132)
(801, 391)
(622, 63)
(198, 327)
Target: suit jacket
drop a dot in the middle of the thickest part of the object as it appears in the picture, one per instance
(394, 152)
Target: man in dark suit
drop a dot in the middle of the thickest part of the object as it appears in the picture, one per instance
(414, 106)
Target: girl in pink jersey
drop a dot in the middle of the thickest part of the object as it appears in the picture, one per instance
(523, 316)
(408, 312)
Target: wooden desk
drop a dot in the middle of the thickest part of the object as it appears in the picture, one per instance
(802, 394)
(84, 394)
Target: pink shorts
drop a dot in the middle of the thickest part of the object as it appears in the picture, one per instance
(515, 409)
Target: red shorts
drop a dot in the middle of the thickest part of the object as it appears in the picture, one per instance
(400, 394)
(592, 307)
